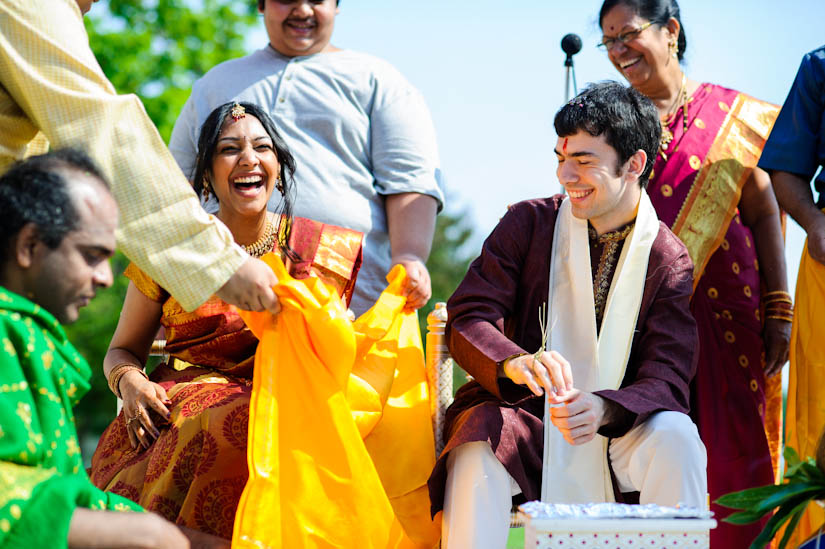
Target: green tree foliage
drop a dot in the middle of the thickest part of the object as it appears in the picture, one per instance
(91, 334)
(158, 48)
(447, 266)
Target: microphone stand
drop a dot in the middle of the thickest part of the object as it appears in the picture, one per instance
(570, 70)
(571, 44)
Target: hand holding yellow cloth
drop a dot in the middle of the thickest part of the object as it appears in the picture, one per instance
(337, 408)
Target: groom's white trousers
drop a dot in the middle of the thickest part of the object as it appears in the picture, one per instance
(663, 459)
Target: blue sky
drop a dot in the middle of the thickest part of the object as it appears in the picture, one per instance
(492, 75)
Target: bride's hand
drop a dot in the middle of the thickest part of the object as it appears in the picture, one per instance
(139, 397)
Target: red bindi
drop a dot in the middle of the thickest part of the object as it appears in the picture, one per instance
(564, 146)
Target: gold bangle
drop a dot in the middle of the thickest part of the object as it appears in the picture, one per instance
(778, 300)
(780, 317)
(787, 309)
(117, 373)
(778, 293)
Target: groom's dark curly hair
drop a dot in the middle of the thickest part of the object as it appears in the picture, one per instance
(628, 120)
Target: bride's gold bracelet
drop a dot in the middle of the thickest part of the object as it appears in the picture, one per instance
(117, 373)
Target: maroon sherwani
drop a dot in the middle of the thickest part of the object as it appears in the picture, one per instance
(493, 315)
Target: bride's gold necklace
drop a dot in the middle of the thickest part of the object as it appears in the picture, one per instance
(667, 120)
(265, 242)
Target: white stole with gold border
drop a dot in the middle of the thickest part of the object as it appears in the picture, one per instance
(580, 474)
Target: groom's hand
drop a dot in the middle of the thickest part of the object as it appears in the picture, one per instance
(549, 373)
(580, 417)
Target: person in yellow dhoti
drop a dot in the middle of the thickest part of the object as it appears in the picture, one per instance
(793, 153)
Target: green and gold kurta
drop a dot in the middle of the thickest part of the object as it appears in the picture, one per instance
(42, 479)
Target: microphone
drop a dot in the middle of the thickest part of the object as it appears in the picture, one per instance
(571, 44)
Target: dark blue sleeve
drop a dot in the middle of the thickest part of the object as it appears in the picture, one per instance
(797, 142)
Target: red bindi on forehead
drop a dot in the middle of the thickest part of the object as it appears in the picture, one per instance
(564, 146)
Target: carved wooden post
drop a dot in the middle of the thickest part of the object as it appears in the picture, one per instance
(439, 371)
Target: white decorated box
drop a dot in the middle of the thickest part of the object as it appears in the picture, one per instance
(611, 525)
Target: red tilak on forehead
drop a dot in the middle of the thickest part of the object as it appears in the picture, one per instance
(564, 146)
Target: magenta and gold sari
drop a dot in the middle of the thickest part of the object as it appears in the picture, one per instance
(696, 192)
(194, 473)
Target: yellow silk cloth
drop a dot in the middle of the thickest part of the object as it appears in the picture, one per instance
(340, 440)
(806, 391)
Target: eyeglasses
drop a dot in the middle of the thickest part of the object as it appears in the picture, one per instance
(607, 43)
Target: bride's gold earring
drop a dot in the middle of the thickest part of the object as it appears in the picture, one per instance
(674, 50)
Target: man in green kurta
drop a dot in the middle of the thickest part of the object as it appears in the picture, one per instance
(57, 232)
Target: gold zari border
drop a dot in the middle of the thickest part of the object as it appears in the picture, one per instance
(714, 195)
(338, 250)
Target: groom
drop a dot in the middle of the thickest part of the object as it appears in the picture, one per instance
(600, 288)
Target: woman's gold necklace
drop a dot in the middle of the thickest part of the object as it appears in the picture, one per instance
(681, 101)
(263, 244)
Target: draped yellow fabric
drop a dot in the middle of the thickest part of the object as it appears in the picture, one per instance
(337, 408)
(806, 390)
(389, 398)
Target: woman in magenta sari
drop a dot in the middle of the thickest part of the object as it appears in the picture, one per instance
(706, 187)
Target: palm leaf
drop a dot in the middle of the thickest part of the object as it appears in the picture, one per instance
(743, 517)
(778, 519)
(804, 470)
(809, 490)
(804, 482)
(764, 498)
(795, 516)
(746, 498)
(809, 471)
(791, 457)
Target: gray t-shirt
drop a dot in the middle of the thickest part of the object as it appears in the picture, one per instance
(358, 131)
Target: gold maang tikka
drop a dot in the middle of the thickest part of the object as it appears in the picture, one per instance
(237, 112)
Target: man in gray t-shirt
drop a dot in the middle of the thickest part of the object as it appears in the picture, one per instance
(362, 137)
